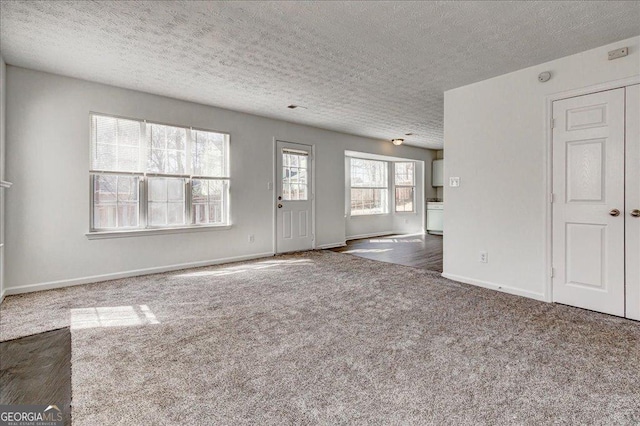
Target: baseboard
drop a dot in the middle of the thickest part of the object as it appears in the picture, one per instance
(127, 274)
(498, 287)
(331, 245)
(2, 296)
(375, 234)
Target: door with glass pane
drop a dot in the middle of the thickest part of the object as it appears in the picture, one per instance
(293, 197)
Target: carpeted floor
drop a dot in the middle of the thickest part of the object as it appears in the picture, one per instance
(324, 338)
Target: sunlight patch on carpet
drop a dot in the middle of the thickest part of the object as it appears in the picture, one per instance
(112, 316)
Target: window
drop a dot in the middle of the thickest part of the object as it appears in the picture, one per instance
(148, 175)
(404, 180)
(294, 175)
(369, 187)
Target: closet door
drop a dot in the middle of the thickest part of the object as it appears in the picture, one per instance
(632, 204)
(588, 206)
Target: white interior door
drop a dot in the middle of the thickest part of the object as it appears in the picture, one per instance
(589, 195)
(293, 197)
(632, 205)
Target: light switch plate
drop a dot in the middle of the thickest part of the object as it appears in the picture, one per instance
(454, 182)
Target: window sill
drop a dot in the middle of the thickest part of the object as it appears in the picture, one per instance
(101, 235)
(369, 215)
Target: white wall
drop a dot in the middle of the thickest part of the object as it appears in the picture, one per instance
(48, 162)
(3, 73)
(495, 141)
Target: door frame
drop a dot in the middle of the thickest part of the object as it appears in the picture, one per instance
(274, 192)
(548, 155)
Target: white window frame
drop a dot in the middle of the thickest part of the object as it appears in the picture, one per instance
(387, 187)
(144, 228)
(396, 185)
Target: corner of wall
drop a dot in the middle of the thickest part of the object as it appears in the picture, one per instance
(3, 87)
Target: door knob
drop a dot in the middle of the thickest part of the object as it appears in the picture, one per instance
(614, 212)
(279, 206)
(635, 213)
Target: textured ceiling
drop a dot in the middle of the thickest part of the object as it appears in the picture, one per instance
(376, 69)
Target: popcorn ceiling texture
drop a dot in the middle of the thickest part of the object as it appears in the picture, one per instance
(376, 69)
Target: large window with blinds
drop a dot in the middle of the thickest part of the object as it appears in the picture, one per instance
(152, 176)
(369, 187)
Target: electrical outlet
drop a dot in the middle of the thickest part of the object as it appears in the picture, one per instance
(454, 182)
(252, 238)
(484, 257)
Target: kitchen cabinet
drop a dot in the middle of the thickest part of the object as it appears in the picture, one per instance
(435, 216)
(437, 173)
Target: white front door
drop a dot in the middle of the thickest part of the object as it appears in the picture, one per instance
(293, 197)
(632, 207)
(589, 202)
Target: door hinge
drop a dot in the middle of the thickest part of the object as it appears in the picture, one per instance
(553, 123)
(553, 272)
(552, 198)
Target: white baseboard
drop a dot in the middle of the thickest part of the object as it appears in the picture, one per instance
(498, 287)
(331, 245)
(2, 296)
(375, 234)
(126, 274)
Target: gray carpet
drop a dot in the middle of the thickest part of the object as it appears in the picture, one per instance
(327, 338)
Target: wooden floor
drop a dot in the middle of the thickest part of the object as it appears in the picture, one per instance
(36, 370)
(420, 251)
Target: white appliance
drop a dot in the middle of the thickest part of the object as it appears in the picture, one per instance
(435, 213)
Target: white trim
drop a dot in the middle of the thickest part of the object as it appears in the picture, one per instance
(274, 190)
(126, 274)
(102, 235)
(2, 296)
(356, 216)
(548, 154)
(5, 184)
(331, 245)
(494, 286)
(313, 197)
(375, 234)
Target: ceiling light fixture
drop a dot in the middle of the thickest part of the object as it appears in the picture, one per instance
(397, 141)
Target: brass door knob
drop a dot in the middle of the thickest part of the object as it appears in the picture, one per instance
(635, 213)
(614, 212)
